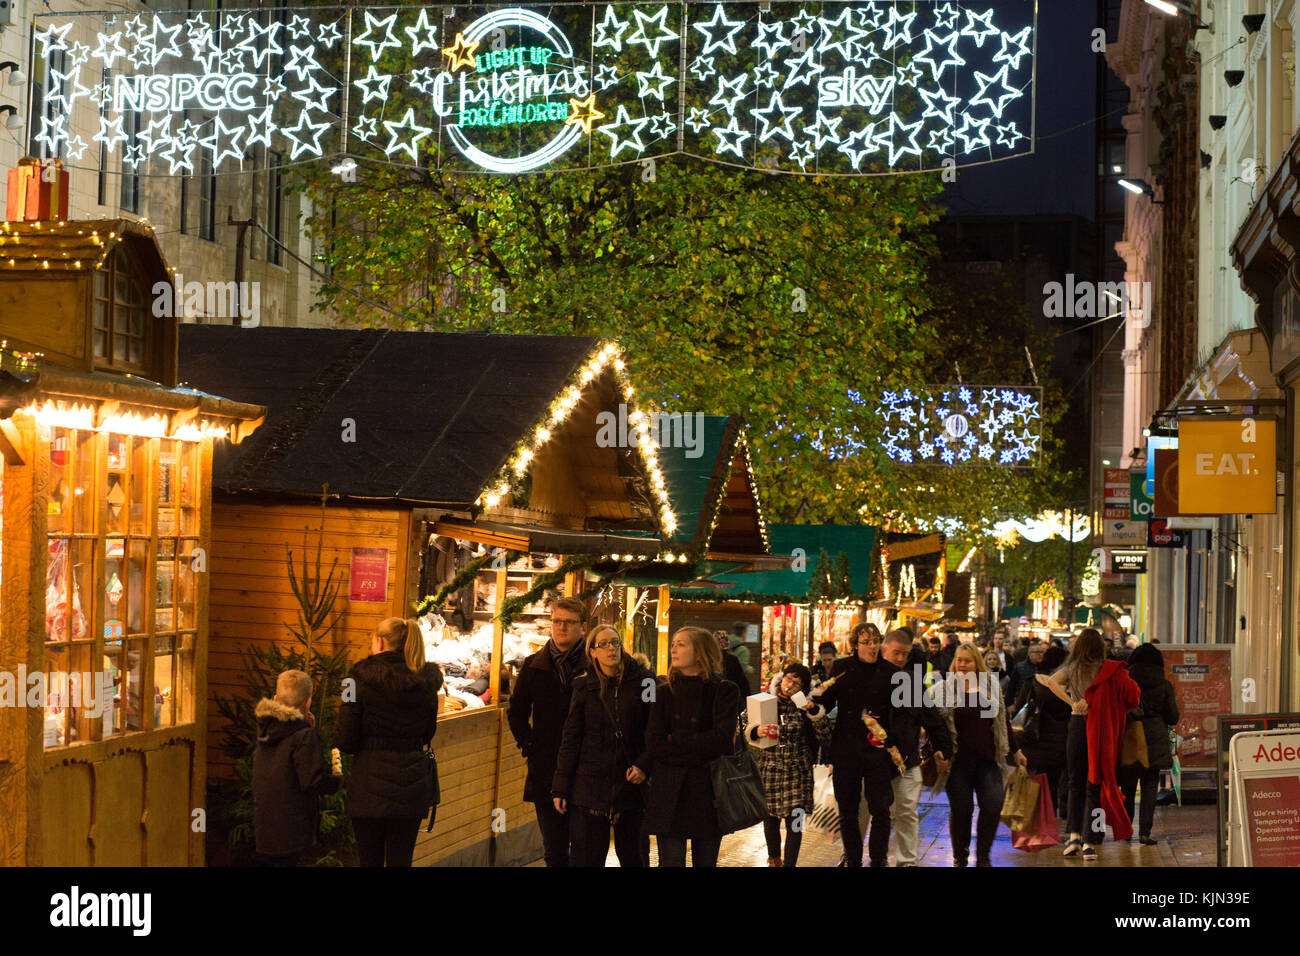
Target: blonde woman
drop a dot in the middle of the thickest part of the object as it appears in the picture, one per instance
(980, 727)
(692, 722)
(391, 719)
(603, 764)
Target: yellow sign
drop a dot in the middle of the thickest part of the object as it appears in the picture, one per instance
(1227, 466)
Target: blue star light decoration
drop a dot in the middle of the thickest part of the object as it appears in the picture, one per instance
(850, 88)
(962, 425)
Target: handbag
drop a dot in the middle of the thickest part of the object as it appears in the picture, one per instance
(1134, 747)
(1042, 833)
(737, 791)
(431, 764)
(826, 812)
(1030, 729)
(1020, 801)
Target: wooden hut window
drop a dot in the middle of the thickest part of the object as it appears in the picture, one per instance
(121, 621)
(120, 312)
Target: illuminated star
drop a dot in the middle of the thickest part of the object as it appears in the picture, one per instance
(803, 70)
(153, 140)
(110, 133)
(870, 15)
(102, 94)
(825, 130)
(423, 80)
(170, 36)
(142, 55)
(305, 125)
(272, 88)
(133, 156)
(730, 138)
(53, 38)
(663, 125)
(802, 154)
(803, 21)
(776, 118)
(212, 142)
(932, 42)
(302, 60)
(698, 120)
(253, 45)
(232, 61)
(653, 82)
(407, 123)
(979, 36)
(771, 37)
(703, 68)
(606, 76)
(945, 14)
(860, 143)
(898, 29)
(909, 75)
(939, 105)
(461, 53)
(652, 43)
(316, 96)
(851, 34)
(365, 128)
(1009, 135)
(80, 53)
(423, 35)
(299, 27)
(716, 26)
(912, 130)
(76, 147)
(584, 113)
(263, 122)
(374, 85)
(377, 46)
(609, 32)
(765, 76)
(188, 134)
(1009, 93)
(1013, 57)
(232, 26)
(177, 155)
(329, 35)
(979, 138)
(110, 48)
(617, 143)
(730, 92)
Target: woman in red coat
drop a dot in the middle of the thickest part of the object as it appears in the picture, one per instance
(1100, 694)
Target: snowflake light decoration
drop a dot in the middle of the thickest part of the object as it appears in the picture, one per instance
(962, 425)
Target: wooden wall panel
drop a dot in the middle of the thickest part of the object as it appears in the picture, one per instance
(65, 831)
(168, 805)
(118, 835)
(466, 747)
(250, 600)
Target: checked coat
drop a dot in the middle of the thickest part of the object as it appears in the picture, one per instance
(787, 768)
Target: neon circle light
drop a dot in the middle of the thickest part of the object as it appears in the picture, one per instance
(564, 140)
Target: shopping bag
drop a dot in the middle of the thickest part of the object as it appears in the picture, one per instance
(1042, 833)
(737, 791)
(1020, 802)
(1134, 748)
(826, 812)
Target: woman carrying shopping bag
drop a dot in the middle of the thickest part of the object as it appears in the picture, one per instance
(1159, 709)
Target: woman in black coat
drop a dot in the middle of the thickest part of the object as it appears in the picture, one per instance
(1047, 725)
(390, 720)
(1159, 709)
(603, 764)
(692, 723)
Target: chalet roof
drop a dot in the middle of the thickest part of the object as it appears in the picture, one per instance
(56, 245)
(435, 415)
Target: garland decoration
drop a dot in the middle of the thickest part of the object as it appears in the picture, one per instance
(435, 602)
(512, 607)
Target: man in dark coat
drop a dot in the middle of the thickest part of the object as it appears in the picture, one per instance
(288, 773)
(864, 686)
(538, 708)
(1023, 672)
(732, 669)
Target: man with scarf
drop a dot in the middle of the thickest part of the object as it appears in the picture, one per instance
(538, 708)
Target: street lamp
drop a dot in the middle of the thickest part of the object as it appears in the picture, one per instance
(1140, 187)
(14, 121)
(1174, 7)
(16, 76)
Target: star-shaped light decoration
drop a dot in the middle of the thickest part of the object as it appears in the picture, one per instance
(663, 125)
(730, 92)
(151, 139)
(939, 105)
(606, 76)
(109, 48)
(53, 38)
(299, 27)
(461, 53)
(260, 127)
(776, 118)
(771, 37)
(945, 15)
(609, 32)
(583, 113)
(623, 120)
(177, 155)
(911, 130)
(167, 44)
(1014, 48)
(110, 132)
(825, 130)
(302, 61)
(307, 127)
(417, 132)
(329, 35)
(76, 147)
(974, 22)
(374, 85)
(803, 21)
(847, 38)
(371, 38)
(213, 142)
(260, 42)
(424, 35)
(365, 127)
(703, 68)
(133, 155)
(423, 80)
(730, 138)
(803, 70)
(719, 26)
(652, 43)
(899, 28)
(910, 75)
(998, 102)
(653, 82)
(765, 77)
(698, 120)
(945, 45)
(1009, 135)
(860, 144)
(272, 88)
(315, 96)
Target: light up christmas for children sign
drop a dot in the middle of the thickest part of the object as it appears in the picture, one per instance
(962, 425)
(832, 88)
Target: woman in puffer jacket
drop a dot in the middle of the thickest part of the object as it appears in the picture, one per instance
(1047, 727)
(389, 723)
(603, 765)
(1159, 712)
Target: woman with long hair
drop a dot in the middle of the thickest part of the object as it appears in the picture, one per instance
(692, 722)
(1159, 709)
(1100, 694)
(390, 720)
(970, 699)
(603, 764)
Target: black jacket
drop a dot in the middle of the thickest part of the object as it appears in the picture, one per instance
(539, 707)
(734, 672)
(1047, 750)
(908, 734)
(690, 726)
(865, 687)
(591, 771)
(1021, 673)
(394, 716)
(1159, 708)
(289, 773)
